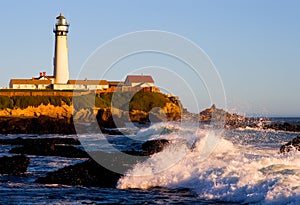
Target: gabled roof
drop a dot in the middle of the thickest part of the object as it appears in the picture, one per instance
(29, 81)
(88, 82)
(139, 79)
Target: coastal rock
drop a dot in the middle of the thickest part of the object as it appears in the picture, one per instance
(111, 118)
(105, 118)
(37, 125)
(212, 113)
(294, 144)
(153, 146)
(173, 111)
(91, 173)
(283, 127)
(84, 115)
(230, 121)
(139, 116)
(46, 119)
(14, 165)
(46, 124)
(88, 173)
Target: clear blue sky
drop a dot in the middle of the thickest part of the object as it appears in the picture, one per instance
(254, 44)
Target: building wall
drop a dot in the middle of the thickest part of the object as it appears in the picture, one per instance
(63, 86)
(142, 84)
(79, 87)
(59, 86)
(30, 86)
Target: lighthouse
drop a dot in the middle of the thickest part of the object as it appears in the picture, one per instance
(61, 68)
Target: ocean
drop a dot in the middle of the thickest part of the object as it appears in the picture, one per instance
(199, 166)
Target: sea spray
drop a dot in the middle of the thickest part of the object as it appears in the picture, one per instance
(185, 145)
(231, 173)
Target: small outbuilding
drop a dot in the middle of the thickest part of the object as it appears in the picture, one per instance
(139, 81)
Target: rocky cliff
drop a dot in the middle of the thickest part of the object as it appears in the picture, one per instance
(56, 115)
(143, 108)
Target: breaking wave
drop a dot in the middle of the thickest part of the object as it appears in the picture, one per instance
(216, 166)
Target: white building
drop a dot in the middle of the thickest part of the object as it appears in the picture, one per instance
(29, 84)
(42, 82)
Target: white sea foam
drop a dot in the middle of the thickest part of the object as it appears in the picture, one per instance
(232, 173)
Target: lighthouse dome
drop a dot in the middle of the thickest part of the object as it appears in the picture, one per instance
(61, 20)
(60, 16)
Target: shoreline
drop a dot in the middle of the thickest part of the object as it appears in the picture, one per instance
(49, 119)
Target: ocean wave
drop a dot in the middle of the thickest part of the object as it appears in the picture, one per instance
(228, 172)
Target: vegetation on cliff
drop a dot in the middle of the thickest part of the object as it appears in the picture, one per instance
(34, 101)
(126, 101)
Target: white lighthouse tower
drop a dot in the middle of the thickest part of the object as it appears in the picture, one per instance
(61, 68)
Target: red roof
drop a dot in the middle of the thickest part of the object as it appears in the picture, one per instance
(139, 79)
(29, 81)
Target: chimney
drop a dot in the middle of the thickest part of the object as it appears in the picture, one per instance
(41, 74)
(44, 74)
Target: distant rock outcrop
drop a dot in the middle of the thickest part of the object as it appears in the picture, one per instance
(283, 127)
(14, 165)
(229, 120)
(294, 144)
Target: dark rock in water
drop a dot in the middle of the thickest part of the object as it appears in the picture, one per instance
(88, 173)
(14, 165)
(39, 141)
(294, 144)
(153, 146)
(50, 150)
(91, 173)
